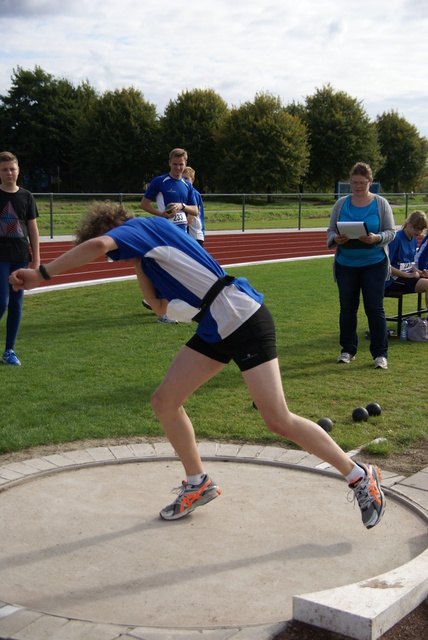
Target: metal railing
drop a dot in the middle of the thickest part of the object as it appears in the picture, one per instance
(59, 212)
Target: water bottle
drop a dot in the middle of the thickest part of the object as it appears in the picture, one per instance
(403, 332)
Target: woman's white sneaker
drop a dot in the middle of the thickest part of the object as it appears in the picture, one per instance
(345, 358)
(380, 363)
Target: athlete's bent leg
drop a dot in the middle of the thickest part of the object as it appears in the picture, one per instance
(265, 386)
(188, 371)
(421, 287)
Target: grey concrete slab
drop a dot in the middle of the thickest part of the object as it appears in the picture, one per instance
(42, 627)
(101, 453)
(368, 609)
(8, 473)
(21, 468)
(40, 464)
(86, 543)
(414, 488)
(16, 619)
(60, 460)
(250, 451)
(143, 450)
(79, 457)
(122, 451)
(208, 449)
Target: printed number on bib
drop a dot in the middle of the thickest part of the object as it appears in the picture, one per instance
(179, 218)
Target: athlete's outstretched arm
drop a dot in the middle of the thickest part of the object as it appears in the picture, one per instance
(76, 257)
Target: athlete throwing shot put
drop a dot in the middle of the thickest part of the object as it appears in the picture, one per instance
(178, 277)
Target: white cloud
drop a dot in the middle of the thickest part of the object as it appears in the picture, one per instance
(376, 52)
(26, 9)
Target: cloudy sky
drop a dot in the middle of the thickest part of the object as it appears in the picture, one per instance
(374, 50)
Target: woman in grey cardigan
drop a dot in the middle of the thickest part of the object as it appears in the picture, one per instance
(362, 264)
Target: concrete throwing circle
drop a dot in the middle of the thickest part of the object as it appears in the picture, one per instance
(88, 543)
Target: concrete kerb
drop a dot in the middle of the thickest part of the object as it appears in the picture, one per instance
(367, 609)
(364, 610)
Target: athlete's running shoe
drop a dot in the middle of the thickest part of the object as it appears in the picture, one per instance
(189, 497)
(10, 357)
(369, 495)
(146, 304)
(166, 320)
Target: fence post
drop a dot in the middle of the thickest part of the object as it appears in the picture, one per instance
(407, 205)
(243, 212)
(300, 211)
(51, 212)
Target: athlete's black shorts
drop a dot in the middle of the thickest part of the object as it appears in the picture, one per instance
(250, 345)
(403, 285)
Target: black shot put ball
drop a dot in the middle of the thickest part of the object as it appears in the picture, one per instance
(374, 409)
(359, 414)
(326, 424)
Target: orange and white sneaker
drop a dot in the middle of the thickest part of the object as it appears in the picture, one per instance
(189, 497)
(369, 495)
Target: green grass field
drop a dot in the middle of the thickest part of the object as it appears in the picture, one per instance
(92, 357)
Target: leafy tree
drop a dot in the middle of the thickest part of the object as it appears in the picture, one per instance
(296, 109)
(340, 134)
(406, 153)
(36, 122)
(69, 138)
(189, 122)
(114, 140)
(262, 148)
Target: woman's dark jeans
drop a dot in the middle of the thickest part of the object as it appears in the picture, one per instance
(370, 281)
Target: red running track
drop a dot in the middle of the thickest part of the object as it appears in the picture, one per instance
(227, 249)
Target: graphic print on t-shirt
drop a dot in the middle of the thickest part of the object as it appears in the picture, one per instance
(9, 223)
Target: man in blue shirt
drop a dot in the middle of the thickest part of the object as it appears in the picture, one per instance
(175, 199)
(174, 196)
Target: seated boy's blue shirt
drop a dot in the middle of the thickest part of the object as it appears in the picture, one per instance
(366, 256)
(180, 268)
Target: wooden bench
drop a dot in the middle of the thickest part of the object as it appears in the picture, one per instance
(400, 315)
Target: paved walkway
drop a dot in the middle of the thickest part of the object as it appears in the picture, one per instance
(84, 553)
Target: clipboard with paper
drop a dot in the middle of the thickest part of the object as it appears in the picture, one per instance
(353, 230)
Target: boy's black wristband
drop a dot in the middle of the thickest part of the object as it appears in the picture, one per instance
(44, 273)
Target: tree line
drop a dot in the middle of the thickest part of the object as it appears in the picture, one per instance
(74, 139)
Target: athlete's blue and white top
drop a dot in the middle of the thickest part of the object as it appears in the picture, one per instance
(180, 268)
(197, 227)
(402, 252)
(421, 257)
(164, 189)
